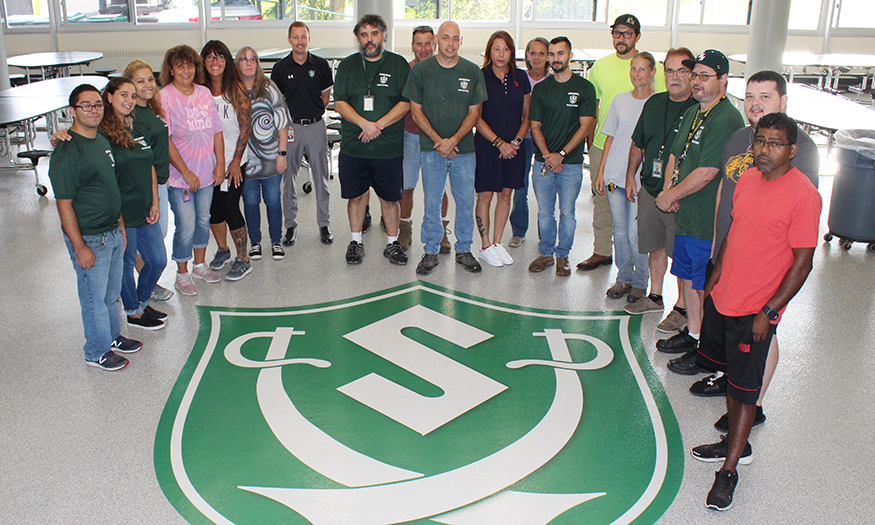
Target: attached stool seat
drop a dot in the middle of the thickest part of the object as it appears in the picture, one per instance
(34, 156)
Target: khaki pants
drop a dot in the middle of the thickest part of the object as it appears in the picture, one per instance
(602, 227)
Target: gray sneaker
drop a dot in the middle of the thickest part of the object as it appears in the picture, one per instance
(468, 262)
(239, 269)
(427, 264)
(644, 305)
(673, 322)
(221, 258)
(159, 293)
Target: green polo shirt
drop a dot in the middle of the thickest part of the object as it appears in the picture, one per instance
(83, 170)
(155, 130)
(384, 80)
(558, 106)
(133, 170)
(446, 95)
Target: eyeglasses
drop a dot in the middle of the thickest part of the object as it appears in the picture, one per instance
(625, 34)
(216, 58)
(704, 76)
(770, 144)
(88, 108)
(677, 72)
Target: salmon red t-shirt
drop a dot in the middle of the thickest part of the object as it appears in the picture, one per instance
(769, 219)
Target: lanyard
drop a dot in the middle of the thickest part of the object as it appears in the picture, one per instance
(379, 66)
(668, 129)
(695, 128)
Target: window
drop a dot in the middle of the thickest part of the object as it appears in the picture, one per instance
(322, 10)
(95, 11)
(560, 10)
(26, 13)
(856, 13)
(715, 12)
(649, 12)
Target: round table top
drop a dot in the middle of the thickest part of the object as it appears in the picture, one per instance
(54, 59)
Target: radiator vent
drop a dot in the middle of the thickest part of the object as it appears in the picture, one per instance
(133, 55)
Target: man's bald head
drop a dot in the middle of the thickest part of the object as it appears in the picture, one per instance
(449, 40)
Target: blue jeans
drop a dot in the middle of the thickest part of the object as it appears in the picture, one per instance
(164, 208)
(149, 242)
(519, 216)
(434, 179)
(99, 288)
(564, 186)
(633, 266)
(269, 189)
(412, 160)
(192, 220)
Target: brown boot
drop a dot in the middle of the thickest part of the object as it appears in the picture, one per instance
(446, 247)
(594, 262)
(405, 233)
(540, 263)
(562, 267)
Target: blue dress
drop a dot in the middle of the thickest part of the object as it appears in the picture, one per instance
(503, 111)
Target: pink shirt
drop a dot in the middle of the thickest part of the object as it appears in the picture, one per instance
(192, 122)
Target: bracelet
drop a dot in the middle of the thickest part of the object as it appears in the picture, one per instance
(496, 142)
(187, 171)
(156, 198)
(517, 141)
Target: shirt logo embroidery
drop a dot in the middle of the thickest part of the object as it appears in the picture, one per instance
(744, 347)
(572, 99)
(463, 84)
(291, 76)
(384, 78)
(312, 73)
(111, 158)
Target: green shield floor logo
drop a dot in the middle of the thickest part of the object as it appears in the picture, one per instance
(418, 404)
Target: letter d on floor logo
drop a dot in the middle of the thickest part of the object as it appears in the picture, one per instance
(417, 405)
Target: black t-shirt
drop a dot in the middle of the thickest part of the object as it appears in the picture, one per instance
(302, 84)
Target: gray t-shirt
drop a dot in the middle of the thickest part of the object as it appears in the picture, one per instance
(738, 158)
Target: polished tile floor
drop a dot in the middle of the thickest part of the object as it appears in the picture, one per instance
(76, 444)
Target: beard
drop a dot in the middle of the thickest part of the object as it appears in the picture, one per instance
(559, 67)
(377, 51)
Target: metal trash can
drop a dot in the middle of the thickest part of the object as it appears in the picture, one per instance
(852, 205)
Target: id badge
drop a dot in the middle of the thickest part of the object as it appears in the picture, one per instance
(369, 103)
(291, 134)
(657, 169)
(186, 196)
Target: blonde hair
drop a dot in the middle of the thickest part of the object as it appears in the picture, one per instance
(260, 87)
(155, 101)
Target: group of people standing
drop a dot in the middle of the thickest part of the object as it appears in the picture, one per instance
(668, 153)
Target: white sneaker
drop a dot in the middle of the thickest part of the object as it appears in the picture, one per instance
(502, 254)
(202, 272)
(490, 256)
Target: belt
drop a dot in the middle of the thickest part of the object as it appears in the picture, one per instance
(306, 121)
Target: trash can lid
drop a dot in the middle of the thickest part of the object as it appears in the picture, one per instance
(860, 140)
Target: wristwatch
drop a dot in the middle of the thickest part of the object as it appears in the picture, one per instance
(771, 314)
(562, 153)
(284, 153)
(517, 141)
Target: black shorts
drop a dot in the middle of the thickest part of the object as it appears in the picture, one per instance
(727, 344)
(226, 207)
(386, 176)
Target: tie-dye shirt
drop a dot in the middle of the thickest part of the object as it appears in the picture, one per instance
(192, 122)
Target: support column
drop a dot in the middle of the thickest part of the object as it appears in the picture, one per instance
(4, 71)
(768, 36)
(384, 8)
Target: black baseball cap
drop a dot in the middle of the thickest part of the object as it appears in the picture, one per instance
(628, 20)
(711, 58)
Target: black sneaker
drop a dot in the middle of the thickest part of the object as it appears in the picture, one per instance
(355, 252)
(678, 344)
(123, 345)
(720, 496)
(716, 452)
(722, 424)
(687, 364)
(146, 322)
(366, 223)
(427, 263)
(468, 262)
(108, 361)
(711, 386)
(255, 252)
(395, 253)
(276, 252)
(154, 313)
(325, 235)
(291, 236)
